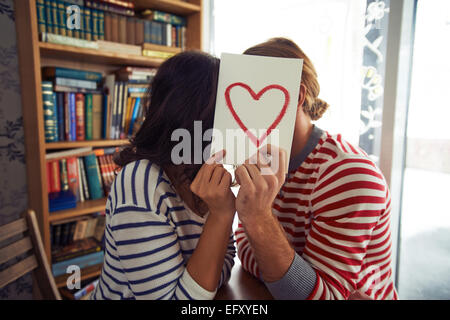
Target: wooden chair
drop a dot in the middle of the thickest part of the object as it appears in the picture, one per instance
(35, 262)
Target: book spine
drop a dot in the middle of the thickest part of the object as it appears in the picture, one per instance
(88, 120)
(80, 181)
(76, 83)
(80, 120)
(40, 8)
(105, 116)
(139, 32)
(55, 17)
(67, 116)
(134, 115)
(93, 176)
(50, 116)
(72, 176)
(94, 24)
(60, 108)
(108, 26)
(101, 25)
(58, 39)
(147, 31)
(63, 175)
(96, 116)
(72, 74)
(57, 235)
(123, 111)
(49, 176)
(56, 179)
(84, 179)
(122, 29)
(168, 18)
(101, 160)
(48, 16)
(87, 31)
(73, 123)
(62, 18)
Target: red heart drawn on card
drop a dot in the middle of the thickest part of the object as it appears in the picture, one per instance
(257, 96)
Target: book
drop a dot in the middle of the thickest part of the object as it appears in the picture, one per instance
(160, 48)
(60, 115)
(88, 116)
(80, 229)
(49, 17)
(61, 200)
(122, 29)
(139, 31)
(72, 117)
(41, 16)
(68, 41)
(48, 170)
(108, 27)
(55, 178)
(101, 25)
(50, 110)
(80, 117)
(75, 83)
(84, 182)
(157, 54)
(111, 46)
(97, 116)
(73, 177)
(62, 18)
(114, 28)
(93, 177)
(80, 183)
(58, 72)
(63, 174)
(67, 122)
(134, 115)
(130, 30)
(76, 248)
(90, 229)
(84, 261)
(160, 16)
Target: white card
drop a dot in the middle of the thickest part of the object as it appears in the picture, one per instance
(256, 104)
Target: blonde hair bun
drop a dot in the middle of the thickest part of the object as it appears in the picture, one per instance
(317, 109)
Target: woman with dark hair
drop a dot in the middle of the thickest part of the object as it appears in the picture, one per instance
(168, 228)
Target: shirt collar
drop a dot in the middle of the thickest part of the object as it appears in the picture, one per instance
(312, 142)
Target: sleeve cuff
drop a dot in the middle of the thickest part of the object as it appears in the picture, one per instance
(195, 290)
(297, 284)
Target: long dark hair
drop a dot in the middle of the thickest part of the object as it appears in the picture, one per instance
(183, 91)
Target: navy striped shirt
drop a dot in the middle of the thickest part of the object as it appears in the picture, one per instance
(150, 235)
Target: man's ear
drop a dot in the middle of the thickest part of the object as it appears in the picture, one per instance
(302, 96)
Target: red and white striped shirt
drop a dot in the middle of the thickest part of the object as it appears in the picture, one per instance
(335, 210)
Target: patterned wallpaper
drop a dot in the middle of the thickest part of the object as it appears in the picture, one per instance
(13, 187)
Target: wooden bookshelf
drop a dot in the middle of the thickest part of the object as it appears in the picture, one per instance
(33, 55)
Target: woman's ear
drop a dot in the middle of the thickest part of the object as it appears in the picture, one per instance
(302, 96)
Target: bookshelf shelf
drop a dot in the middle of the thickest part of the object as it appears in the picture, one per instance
(81, 144)
(83, 208)
(174, 6)
(95, 56)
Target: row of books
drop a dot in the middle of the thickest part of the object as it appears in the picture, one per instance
(74, 238)
(78, 107)
(111, 21)
(78, 175)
